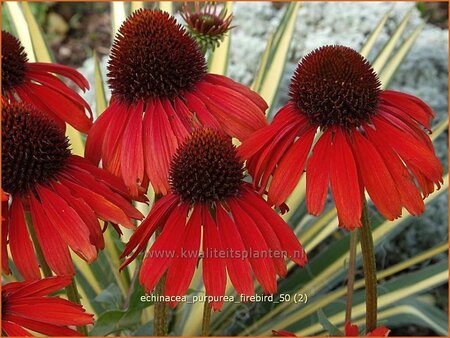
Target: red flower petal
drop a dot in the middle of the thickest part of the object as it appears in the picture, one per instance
(290, 168)
(406, 187)
(161, 142)
(56, 252)
(13, 330)
(56, 84)
(239, 269)
(156, 218)
(22, 250)
(351, 330)
(113, 138)
(162, 251)
(182, 269)
(236, 86)
(65, 71)
(201, 112)
(94, 141)
(86, 214)
(214, 273)
(72, 113)
(273, 242)
(44, 328)
(318, 174)
(411, 150)
(263, 267)
(104, 209)
(132, 153)
(381, 331)
(410, 105)
(68, 223)
(377, 178)
(285, 234)
(344, 179)
(36, 288)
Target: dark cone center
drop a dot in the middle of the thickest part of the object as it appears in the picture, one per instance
(14, 62)
(335, 86)
(34, 149)
(153, 57)
(206, 168)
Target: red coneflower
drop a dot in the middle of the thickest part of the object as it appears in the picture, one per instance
(371, 139)
(63, 193)
(36, 83)
(160, 93)
(206, 24)
(28, 306)
(241, 233)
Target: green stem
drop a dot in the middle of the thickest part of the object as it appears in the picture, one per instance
(206, 319)
(37, 247)
(351, 275)
(369, 267)
(74, 297)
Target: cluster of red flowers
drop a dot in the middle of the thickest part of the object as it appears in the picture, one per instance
(170, 124)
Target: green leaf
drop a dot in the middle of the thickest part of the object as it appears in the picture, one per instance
(100, 96)
(111, 297)
(114, 321)
(270, 72)
(218, 61)
(389, 47)
(327, 325)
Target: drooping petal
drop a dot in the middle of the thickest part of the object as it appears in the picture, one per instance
(94, 140)
(83, 178)
(262, 266)
(406, 187)
(239, 269)
(236, 86)
(287, 237)
(57, 85)
(105, 209)
(22, 250)
(161, 142)
(44, 328)
(318, 174)
(65, 71)
(200, 111)
(347, 193)
(214, 273)
(113, 138)
(290, 169)
(155, 219)
(376, 177)
(56, 252)
(132, 153)
(162, 252)
(72, 113)
(68, 223)
(86, 214)
(270, 237)
(13, 330)
(182, 269)
(409, 105)
(410, 150)
(36, 288)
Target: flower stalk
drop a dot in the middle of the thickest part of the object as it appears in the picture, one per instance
(351, 275)
(74, 297)
(206, 319)
(369, 267)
